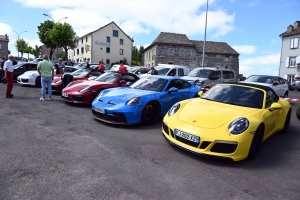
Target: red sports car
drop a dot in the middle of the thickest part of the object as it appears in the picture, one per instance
(85, 91)
(80, 74)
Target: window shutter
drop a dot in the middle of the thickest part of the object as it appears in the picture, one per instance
(296, 40)
(297, 60)
(287, 62)
(291, 43)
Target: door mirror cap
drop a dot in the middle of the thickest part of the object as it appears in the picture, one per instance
(122, 82)
(275, 106)
(173, 89)
(128, 83)
(200, 93)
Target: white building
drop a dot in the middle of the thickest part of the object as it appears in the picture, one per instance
(108, 44)
(290, 52)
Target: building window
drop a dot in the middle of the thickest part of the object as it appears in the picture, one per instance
(82, 49)
(294, 43)
(77, 60)
(292, 62)
(193, 53)
(226, 58)
(121, 41)
(115, 33)
(121, 61)
(108, 39)
(107, 61)
(121, 51)
(82, 40)
(86, 39)
(171, 51)
(182, 52)
(77, 51)
(107, 49)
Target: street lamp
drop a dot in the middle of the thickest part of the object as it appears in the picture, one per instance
(55, 23)
(19, 36)
(203, 54)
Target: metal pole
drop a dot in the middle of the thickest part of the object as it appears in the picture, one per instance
(19, 37)
(203, 54)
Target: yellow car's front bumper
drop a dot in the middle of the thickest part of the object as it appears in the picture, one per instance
(213, 142)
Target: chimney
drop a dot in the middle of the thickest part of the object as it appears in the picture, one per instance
(296, 24)
(289, 29)
(6, 37)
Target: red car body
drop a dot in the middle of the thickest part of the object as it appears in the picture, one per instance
(81, 74)
(85, 91)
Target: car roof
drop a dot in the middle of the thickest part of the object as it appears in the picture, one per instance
(263, 87)
(213, 68)
(170, 66)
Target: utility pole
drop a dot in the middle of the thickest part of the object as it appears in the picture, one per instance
(19, 37)
(203, 54)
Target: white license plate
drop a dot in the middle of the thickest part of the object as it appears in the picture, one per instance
(64, 94)
(100, 110)
(186, 136)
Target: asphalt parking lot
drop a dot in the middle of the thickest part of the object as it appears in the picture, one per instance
(54, 150)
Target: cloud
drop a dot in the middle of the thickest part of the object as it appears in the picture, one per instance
(134, 17)
(244, 49)
(5, 29)
(262, 60)
(252, 4)
(246, 69)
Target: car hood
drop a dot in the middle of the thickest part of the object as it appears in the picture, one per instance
(31, 72)
(258, 83)
(123, 94)
(211, 114)
(81, 84)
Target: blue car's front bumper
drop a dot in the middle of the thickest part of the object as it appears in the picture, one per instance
(117, 114)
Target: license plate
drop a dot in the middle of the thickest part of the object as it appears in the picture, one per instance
(100, 110)
(186, 136)
(64, 95)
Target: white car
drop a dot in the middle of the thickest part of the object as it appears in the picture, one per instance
(278, 84)
(169, 70)
(30, 78)
(116, 68)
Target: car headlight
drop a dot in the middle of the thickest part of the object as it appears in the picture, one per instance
(238, 126)
(58, 82)
(133, 101)
(30, 75)
(174, 109)
(100, 94)
(86, 89)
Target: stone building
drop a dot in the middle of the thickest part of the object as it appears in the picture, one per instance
(4, 46)
(55, 54)
(177, 49)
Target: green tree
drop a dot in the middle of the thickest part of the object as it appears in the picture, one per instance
(61, 55)
(135, 59)
(140, 54)
(44, 31)
(64, 36)
(28, 50)
(21, 45)
(36, 51)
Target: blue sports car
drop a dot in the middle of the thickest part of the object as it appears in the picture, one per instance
(147, 100)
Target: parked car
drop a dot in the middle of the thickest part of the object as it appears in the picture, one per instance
(115, 68)
(296, 85)
(210, 76)
(146, 101)
(80, 74)
(85, 91)
(139, 70)
(19, 69)
(278, 84)
(36, 60)
(230, 120)
(169, 70)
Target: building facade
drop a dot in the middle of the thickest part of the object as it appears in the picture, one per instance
(4, 39)
(177, 49)
(108, 44)
(290, 52)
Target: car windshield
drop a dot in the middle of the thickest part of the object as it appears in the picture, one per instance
(161, 70)
(260, 79)
(201, 73)
(108, 77)
(236, 95)
(80, 72)
(150, 83)
(18, 65)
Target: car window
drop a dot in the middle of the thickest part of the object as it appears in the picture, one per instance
(172, 72)
(128, 78)
(215, 75)
(260, 79)
(179, 84)
(150, 83)
(180, 72)
(281, 81)
(108, 77)
(271, 98)
(80, 72)
(199, 72)
(228, 74)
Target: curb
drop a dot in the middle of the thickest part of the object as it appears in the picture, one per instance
(291, 99)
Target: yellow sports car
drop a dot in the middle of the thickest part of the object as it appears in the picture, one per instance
(229, 120)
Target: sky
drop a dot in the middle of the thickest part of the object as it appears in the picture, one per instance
(251, 27)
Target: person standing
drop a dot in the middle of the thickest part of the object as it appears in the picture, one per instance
(8, 75)
(60, 66)
(46, 71)
(101, 67)
(154, 71)
(122, 68)
(70, 63)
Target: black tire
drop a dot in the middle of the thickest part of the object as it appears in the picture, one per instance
(151, 113)
(286, 94)
(298, 112)
(38, 81)
(287, 121)
(256, 142)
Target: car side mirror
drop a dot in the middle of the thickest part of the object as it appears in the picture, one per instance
(173, 89)
(123, 82)
(200, 93)
(128, 83)
(275, 106)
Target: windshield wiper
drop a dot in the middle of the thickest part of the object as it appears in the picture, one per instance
(206, 98)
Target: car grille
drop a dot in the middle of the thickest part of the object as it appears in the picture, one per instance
(165, 128)
(24, 80)
(204, 144)
(113, 118)
(55, 87)
(190, 143)
(78, 98)
(223, 148)
(67, 99)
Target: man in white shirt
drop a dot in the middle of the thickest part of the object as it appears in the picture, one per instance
(8, 75)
